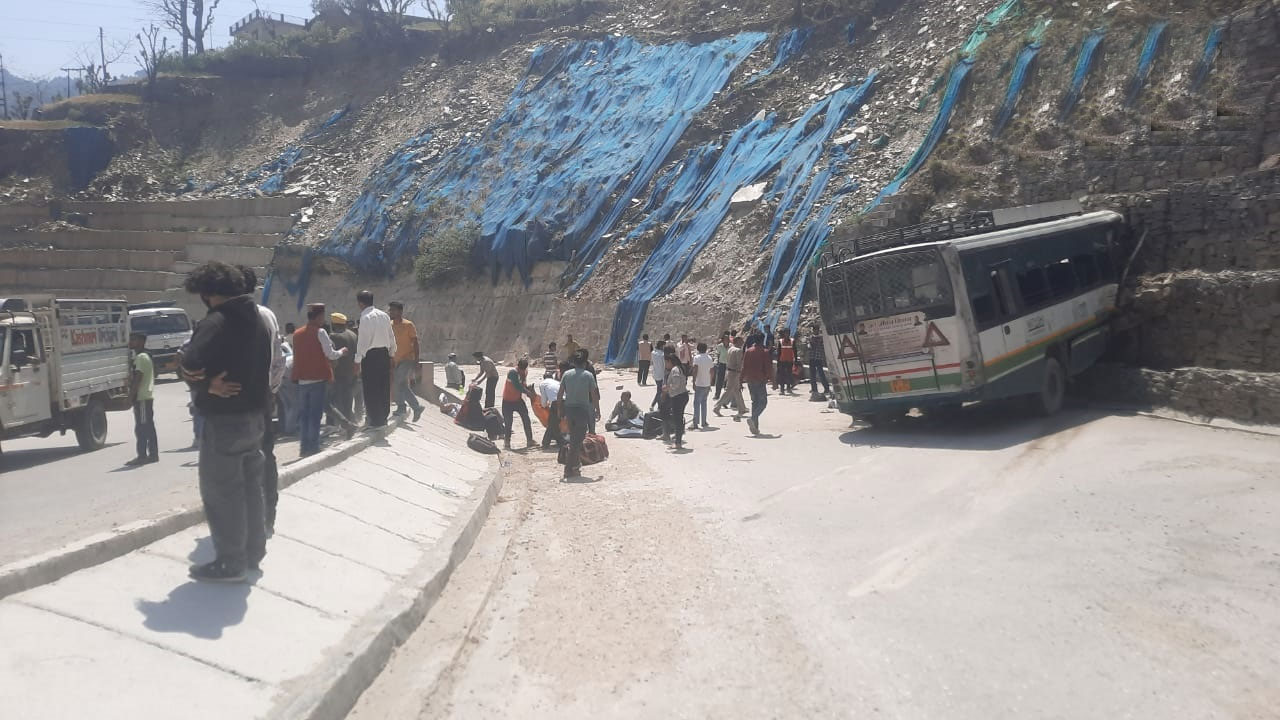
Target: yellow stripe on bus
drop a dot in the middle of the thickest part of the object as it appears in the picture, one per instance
(1041, 341)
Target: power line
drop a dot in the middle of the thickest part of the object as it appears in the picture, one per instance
(64, 22)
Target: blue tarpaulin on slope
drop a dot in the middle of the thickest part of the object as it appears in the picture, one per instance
(1148, 57)
(546, 180)
(275, 170)
(1084, 63)
(1017, 79)
(939, 128)
(89, 151)
(798, 167)
(789, 46)
(1212, 43)
(697, 201)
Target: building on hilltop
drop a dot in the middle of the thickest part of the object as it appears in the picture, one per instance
(263, 25)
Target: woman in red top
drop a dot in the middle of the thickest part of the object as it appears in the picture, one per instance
(513, 402)
(786, 362)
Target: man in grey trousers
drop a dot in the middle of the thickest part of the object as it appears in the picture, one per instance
(228, 365)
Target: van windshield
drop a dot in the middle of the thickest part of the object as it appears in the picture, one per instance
(887, 285)
(160, 324)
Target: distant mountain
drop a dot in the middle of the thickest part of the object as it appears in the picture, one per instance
(43, 90)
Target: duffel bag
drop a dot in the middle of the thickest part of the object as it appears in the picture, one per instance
(594, 449)
(481, 444)
(652, 425)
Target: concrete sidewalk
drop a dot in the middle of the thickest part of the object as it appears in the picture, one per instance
(361, 551)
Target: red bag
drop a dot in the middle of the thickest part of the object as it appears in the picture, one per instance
(594, 450)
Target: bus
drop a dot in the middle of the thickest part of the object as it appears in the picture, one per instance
(995, 304)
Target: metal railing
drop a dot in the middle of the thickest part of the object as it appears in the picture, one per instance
(269, 16)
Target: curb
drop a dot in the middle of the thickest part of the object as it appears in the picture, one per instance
(45, 568)
(1163, 413)
(332, 690)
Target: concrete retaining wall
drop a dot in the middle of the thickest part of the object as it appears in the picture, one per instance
(130, 239)
(163, 221)
(234, 254)
(34, 280)
(211, 208)
(60, 259)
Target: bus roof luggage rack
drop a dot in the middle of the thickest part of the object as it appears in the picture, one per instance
(154, 305)
(973, 223)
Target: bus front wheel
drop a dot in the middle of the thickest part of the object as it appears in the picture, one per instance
(1053, 389)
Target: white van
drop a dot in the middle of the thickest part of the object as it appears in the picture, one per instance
(167, 328)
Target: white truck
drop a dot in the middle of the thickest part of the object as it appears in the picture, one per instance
(63, 365)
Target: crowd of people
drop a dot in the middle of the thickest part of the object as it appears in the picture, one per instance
(244, 373)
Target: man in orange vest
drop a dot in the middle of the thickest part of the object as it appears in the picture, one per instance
(312, 352)
(786, 362)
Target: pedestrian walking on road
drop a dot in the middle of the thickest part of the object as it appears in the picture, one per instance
(513, 402)
(703, 370)
(677, 389)
(733, 380)
(489, 374)
(580, 398)
(405, 362)
(549, 392)
(343, 395)
(659, 367)
(228, 362)
(375, 346)
(142, 398)
(722, 360)
(313, 353)
(757, 369)
(817, 364)
(643, 359)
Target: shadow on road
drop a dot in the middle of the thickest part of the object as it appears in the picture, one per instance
(13, 460)
(993, 426)
(201, 610)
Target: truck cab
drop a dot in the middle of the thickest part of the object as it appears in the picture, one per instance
(63, 365)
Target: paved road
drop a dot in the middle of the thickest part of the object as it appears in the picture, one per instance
(1087, 566)
(52, 493)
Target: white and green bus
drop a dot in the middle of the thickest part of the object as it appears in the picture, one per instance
(994, 305)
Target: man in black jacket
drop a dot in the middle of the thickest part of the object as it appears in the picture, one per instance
(228, 365)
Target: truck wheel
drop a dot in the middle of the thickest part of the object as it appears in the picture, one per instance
(91, 426)
(1054, 388)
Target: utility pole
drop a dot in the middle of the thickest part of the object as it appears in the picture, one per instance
(102, 52)
(68, 72)
(4, 93)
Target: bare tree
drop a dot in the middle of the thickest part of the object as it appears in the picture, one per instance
(22, 105)
(150, 55)
(96, 62)
(441, 12)
(191, 19)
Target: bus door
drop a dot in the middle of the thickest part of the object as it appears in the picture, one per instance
(1006, 306)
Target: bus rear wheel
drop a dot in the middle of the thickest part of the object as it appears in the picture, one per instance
(1053, 389)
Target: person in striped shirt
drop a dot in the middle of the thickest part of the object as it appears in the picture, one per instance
(551, 361)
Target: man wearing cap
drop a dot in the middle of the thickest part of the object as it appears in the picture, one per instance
(343, 387)
(375, 346)
(404, 365)
(312, 352)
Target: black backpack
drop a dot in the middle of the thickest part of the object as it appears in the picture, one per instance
(481, 444)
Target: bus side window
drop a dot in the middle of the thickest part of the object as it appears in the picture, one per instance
(985, 311)
(1086, 271)
(1033, 286)
(1062, 281)
(1106, 269)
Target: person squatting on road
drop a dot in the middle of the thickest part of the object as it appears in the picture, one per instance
(677, 389)
(703, 372)
(313, 352)
(454, 378)
(142, 398)
(757, 368)
(733, 380)
(229, 364)
(405, 362)
(375, 346)
(580, 398)
(513, 402)
(488, 373)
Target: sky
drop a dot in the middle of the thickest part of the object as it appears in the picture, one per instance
(37, 37)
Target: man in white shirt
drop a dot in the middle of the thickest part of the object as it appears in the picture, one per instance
(659, 368)
(549, 392)
(375, 346)
(703, 373)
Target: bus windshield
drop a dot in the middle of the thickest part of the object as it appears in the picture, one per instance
(160, 324)
(887, 285)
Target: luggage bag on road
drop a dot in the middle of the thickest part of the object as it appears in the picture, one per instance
(594, 450)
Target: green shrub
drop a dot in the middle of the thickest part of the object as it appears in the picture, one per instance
(445, 258)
